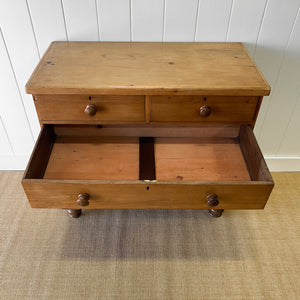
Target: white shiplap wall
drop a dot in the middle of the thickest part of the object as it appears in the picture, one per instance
(270, 30)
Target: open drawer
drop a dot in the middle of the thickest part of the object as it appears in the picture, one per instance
(147, 167)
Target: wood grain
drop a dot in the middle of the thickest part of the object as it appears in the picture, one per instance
(147, 130)
(147, 68)
(258, 105)
(255, 161)
(109, 109)
(187, 108)
(41, 153)
(147, 109)
(105, 158)
(202, 159)
(135, 195)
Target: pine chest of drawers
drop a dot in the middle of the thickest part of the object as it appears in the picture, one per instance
(147, 125)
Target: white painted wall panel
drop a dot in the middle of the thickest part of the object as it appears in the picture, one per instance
(17, 30)
(269, 29)
(12, 111)
(81, 20)
(180, 20)
(286, 90)
(290, 144)
(114, 20)
(13, 162)
(272, 42)
(213, 20)
(5, 148)
(147, 20)
(245, 22)
(48, 22)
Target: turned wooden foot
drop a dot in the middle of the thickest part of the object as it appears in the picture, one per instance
(74, 213)
(215, 213)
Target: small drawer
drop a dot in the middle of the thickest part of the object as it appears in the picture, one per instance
(81, 109)
(69, 169)
(198, 109)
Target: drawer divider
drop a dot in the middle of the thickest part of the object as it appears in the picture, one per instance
(146, 159)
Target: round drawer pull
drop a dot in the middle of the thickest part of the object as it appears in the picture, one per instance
(205, 111)
(212, 200)
(83, 199)
(91, 109)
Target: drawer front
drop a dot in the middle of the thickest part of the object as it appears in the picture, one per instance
(90, 109)
(58, 194)
(197, 109)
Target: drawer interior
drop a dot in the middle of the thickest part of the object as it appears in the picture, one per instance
(68, 152)
(199, 159)
(113, 158)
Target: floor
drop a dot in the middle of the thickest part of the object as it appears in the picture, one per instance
(150, 254)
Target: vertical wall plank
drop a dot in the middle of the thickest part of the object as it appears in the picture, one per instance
(272, 41)
(290, 145)
(48, 22)
(5, 148)
(285, 96)
(20, 42)
(147, 20)
(246, 18)
(11, 108)
(114, 20)
(81, 20)
(180, 20)
(28, 27)
(212, 21)
(274, 35)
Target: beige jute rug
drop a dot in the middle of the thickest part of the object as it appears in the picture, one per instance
(150, 254)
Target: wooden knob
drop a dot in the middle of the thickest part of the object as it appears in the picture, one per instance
(83, 199)
(205, 111)
(91, 109)
(212, 200)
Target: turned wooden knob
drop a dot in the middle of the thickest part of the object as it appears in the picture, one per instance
(205, 111)
(83, 199)
(212, 200)
(91, 109)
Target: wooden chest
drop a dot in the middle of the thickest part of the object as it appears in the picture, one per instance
(147, 125)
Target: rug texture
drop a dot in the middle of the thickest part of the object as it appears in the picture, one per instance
(150, 254)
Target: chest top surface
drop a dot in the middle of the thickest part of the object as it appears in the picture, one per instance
(147, 69)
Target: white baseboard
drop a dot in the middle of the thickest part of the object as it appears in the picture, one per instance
(283, 164)
(13, 162)
(275, 164)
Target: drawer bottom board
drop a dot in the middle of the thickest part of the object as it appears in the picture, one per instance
(110, 158)
(176, 159)
(204, 159)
